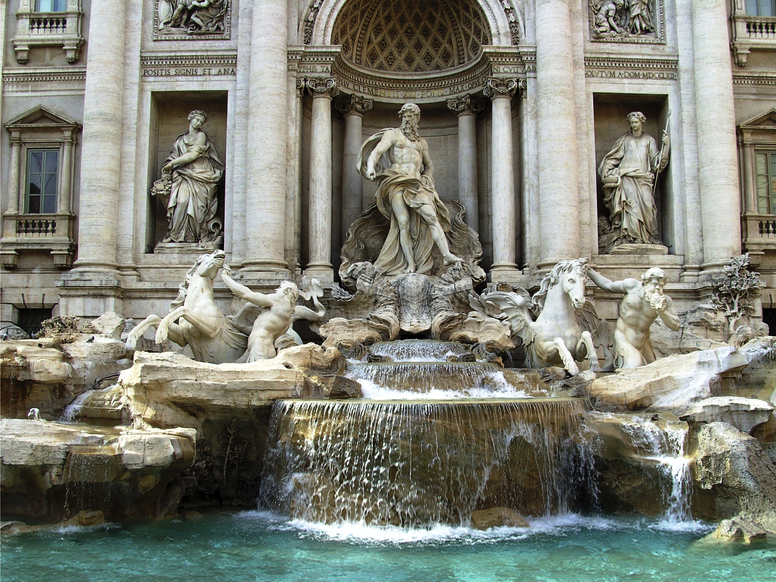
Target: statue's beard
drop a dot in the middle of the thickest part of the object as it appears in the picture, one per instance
(410, 129)
(655, 299)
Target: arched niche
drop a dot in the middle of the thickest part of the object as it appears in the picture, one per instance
(325, 15)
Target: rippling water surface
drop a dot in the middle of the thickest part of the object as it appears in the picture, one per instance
(260, 546)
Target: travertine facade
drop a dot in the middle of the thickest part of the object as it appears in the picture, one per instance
(521, 101)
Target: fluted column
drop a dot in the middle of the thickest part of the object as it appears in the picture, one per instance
(319, 220)
(353, 108)
(101, 151)
(467, 156)
(501, 91)
(717, 167)
(265, 205)
(558, 180)
(13, 175)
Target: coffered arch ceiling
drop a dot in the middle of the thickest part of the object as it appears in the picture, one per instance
(407, 36)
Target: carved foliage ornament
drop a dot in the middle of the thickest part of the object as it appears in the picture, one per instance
(495, 87)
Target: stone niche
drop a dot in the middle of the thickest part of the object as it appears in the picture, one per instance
(610, 111)
(169, 119)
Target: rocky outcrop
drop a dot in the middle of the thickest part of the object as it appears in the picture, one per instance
(671, 384)
(733, 477)
(51, 471)
(497, 517)
(48, 373)
(745, 414)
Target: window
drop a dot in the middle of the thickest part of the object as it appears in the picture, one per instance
(761, 7)
(41, 187)
(765, 168)
(50, 5)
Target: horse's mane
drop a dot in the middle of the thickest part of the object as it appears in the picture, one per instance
(552, 279)
(183, 288)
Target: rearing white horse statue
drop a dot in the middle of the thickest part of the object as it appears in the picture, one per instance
(196, 320)
(556, 336)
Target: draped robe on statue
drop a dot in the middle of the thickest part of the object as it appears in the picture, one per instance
(630, 201)
(193, 200)
(416, 192)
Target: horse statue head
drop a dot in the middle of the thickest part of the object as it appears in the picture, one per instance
(570, 276)
(206, 267)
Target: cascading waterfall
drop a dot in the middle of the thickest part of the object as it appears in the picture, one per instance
(418, 464)
(664, 445)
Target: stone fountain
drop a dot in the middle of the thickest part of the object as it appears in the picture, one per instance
(415, 409)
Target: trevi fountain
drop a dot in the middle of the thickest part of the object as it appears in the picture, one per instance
(437, 426)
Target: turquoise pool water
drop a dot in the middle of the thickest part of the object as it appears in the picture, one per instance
(258, 546)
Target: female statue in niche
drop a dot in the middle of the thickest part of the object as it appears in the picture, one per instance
(628, 173)
(190, 178)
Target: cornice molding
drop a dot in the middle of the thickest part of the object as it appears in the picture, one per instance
(47, 75)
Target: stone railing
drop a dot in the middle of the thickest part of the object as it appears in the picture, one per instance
(752, 32)
(38, 232)
(48, 29)
(759, 234)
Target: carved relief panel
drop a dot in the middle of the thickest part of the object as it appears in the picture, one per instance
(192, 19)
(636, 21)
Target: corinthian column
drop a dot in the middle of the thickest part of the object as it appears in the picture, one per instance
(467, 156)
(717, 167)
(501, 92)
(101, 151)
(265, 205)
(319, 266)
(558, 180)
(353, 108)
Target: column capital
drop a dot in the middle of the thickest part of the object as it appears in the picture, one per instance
(322, 86)
(354, 104)
(498, 87)
(465, 105)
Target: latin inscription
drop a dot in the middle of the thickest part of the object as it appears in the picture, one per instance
(189, 72)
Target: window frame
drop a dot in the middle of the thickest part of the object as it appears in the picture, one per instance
(29, 149)
(770, 185)
(757, 4)
(36, 7)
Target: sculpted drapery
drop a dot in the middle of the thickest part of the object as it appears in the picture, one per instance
(195, 177)
(416, 192)
(628, 173)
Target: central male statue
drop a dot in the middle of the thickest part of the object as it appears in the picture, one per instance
(406, 195)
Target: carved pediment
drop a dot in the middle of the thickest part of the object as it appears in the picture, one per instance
(762, 121)
(40, 117)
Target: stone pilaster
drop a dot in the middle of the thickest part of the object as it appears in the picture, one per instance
(353, 108)
(63, 203)
(319, 221)
(293, 173)
(265, 204)
(501, 91)
(13, 175)
(468, 196)
(558, 179)
(715, 120)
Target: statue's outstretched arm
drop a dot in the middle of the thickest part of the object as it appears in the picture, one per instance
(242, 292)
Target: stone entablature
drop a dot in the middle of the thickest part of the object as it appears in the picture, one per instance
(39, 29)
(633, 67)
(188, 65)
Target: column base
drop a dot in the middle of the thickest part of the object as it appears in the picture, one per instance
(323, 272)
(263, 274)
(90, 293)
(507, 273)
